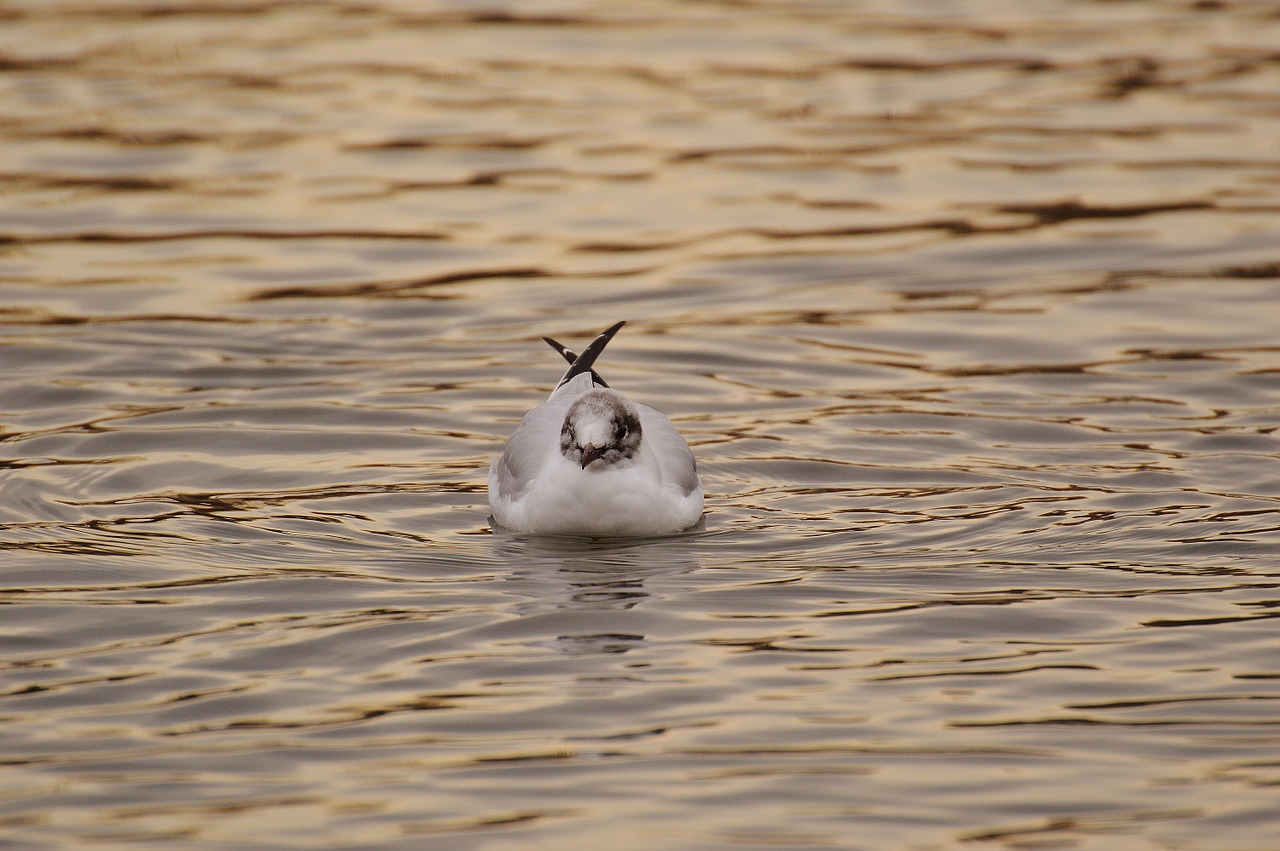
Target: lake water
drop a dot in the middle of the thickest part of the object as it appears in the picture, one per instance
(970, 311)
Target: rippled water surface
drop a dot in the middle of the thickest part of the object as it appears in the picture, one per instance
(970, 310)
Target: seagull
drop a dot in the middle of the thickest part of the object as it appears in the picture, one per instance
(590, 462)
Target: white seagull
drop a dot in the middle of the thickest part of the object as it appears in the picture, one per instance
(589, 461)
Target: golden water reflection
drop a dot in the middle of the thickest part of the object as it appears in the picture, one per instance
(968, 310)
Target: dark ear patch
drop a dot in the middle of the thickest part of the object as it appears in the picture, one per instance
(627, 432)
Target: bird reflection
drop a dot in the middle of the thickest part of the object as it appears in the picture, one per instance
(591, 592)
(591, 588)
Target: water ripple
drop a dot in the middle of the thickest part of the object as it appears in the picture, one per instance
(969, 319)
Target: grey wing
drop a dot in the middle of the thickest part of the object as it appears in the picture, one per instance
(528, 448)
(675, 458)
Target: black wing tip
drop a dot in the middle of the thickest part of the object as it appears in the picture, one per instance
(583, 362)
(570, 355)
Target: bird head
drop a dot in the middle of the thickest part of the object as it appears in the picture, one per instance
(600, 426)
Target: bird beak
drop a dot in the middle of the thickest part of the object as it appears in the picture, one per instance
(591, 452)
